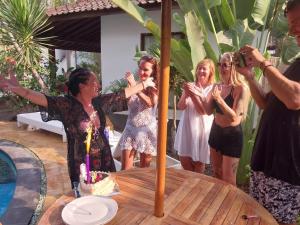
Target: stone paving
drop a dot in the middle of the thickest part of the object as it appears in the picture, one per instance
(51, 151)
(26, 205)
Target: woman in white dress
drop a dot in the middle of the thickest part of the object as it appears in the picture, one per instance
(140, 133)
(191, 139)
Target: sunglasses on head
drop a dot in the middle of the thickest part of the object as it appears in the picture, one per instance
(224, 65)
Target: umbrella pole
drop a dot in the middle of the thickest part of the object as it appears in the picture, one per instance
(163, 107)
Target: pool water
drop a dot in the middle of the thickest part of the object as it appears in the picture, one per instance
(8, 175)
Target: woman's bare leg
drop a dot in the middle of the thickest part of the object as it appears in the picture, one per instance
(229, 168)
(216, 161)
(199, 167)
(186, 163)
(145, 160)
(127, 159)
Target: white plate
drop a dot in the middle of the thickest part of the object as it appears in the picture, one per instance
(89, 210)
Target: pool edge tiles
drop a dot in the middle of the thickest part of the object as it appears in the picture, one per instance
(30, 192)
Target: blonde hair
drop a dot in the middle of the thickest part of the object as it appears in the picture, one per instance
(212, 69)
(237, 80)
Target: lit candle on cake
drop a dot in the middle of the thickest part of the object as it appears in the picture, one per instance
(87, 157)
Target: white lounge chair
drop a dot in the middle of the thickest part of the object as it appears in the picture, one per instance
(34, 121)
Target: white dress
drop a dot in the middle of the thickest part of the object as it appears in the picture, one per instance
(140, 131)
(193, 130)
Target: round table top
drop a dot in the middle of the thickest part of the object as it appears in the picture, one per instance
(190, 198)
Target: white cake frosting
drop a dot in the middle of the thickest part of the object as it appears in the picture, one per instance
(102, 183)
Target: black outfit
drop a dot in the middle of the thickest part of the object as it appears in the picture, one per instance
(276, 150)
(75, 119)
(228, 100)
(227, 140)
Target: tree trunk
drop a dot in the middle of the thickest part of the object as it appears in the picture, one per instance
(34, 72)
(39, 80)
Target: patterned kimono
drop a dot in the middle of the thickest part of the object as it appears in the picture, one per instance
(71, 113)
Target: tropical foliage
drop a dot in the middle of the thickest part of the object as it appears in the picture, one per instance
(216, 26)
(22, 23)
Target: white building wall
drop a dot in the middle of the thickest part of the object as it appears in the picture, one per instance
(120, 34)
(66, 59)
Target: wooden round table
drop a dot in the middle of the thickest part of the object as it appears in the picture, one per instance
(190, 198)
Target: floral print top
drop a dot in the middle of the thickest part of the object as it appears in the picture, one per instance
(71, 113)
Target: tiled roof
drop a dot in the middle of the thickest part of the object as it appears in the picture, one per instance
(91, 5)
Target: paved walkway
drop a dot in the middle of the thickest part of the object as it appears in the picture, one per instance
(51, 151)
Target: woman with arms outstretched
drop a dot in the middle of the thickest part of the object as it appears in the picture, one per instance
(81, 108)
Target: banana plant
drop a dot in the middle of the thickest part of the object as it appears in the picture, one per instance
(180, 52)
(216, 26)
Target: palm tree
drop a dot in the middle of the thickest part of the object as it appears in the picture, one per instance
(22, 23)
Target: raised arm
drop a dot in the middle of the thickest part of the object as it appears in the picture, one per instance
(129, 91)
(236, 112)
(130, 79)
(114, 102)
(286, 90)
(257, 92)
(149, 100)
(11, 84)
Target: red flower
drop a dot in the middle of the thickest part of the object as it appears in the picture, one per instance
(10, 60)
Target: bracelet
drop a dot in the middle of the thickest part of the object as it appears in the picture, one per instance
(264, 65)
(266, 68)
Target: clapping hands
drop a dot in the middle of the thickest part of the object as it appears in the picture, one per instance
(130, 79)
(191, 88)
(216, 92)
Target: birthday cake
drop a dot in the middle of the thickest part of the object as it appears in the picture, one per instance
(101, 183)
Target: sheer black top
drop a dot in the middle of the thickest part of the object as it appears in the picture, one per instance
(75, 119)
(228, 100)
(277, 146)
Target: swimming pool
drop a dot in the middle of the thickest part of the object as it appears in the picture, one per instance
(8, 175)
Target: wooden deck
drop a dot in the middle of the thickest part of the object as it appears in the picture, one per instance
(190, 198)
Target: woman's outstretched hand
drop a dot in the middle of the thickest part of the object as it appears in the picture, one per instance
(130, 79)
(8, 83)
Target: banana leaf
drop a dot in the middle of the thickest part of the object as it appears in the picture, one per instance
(258, 14)
(180, 54)
(290, 50)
